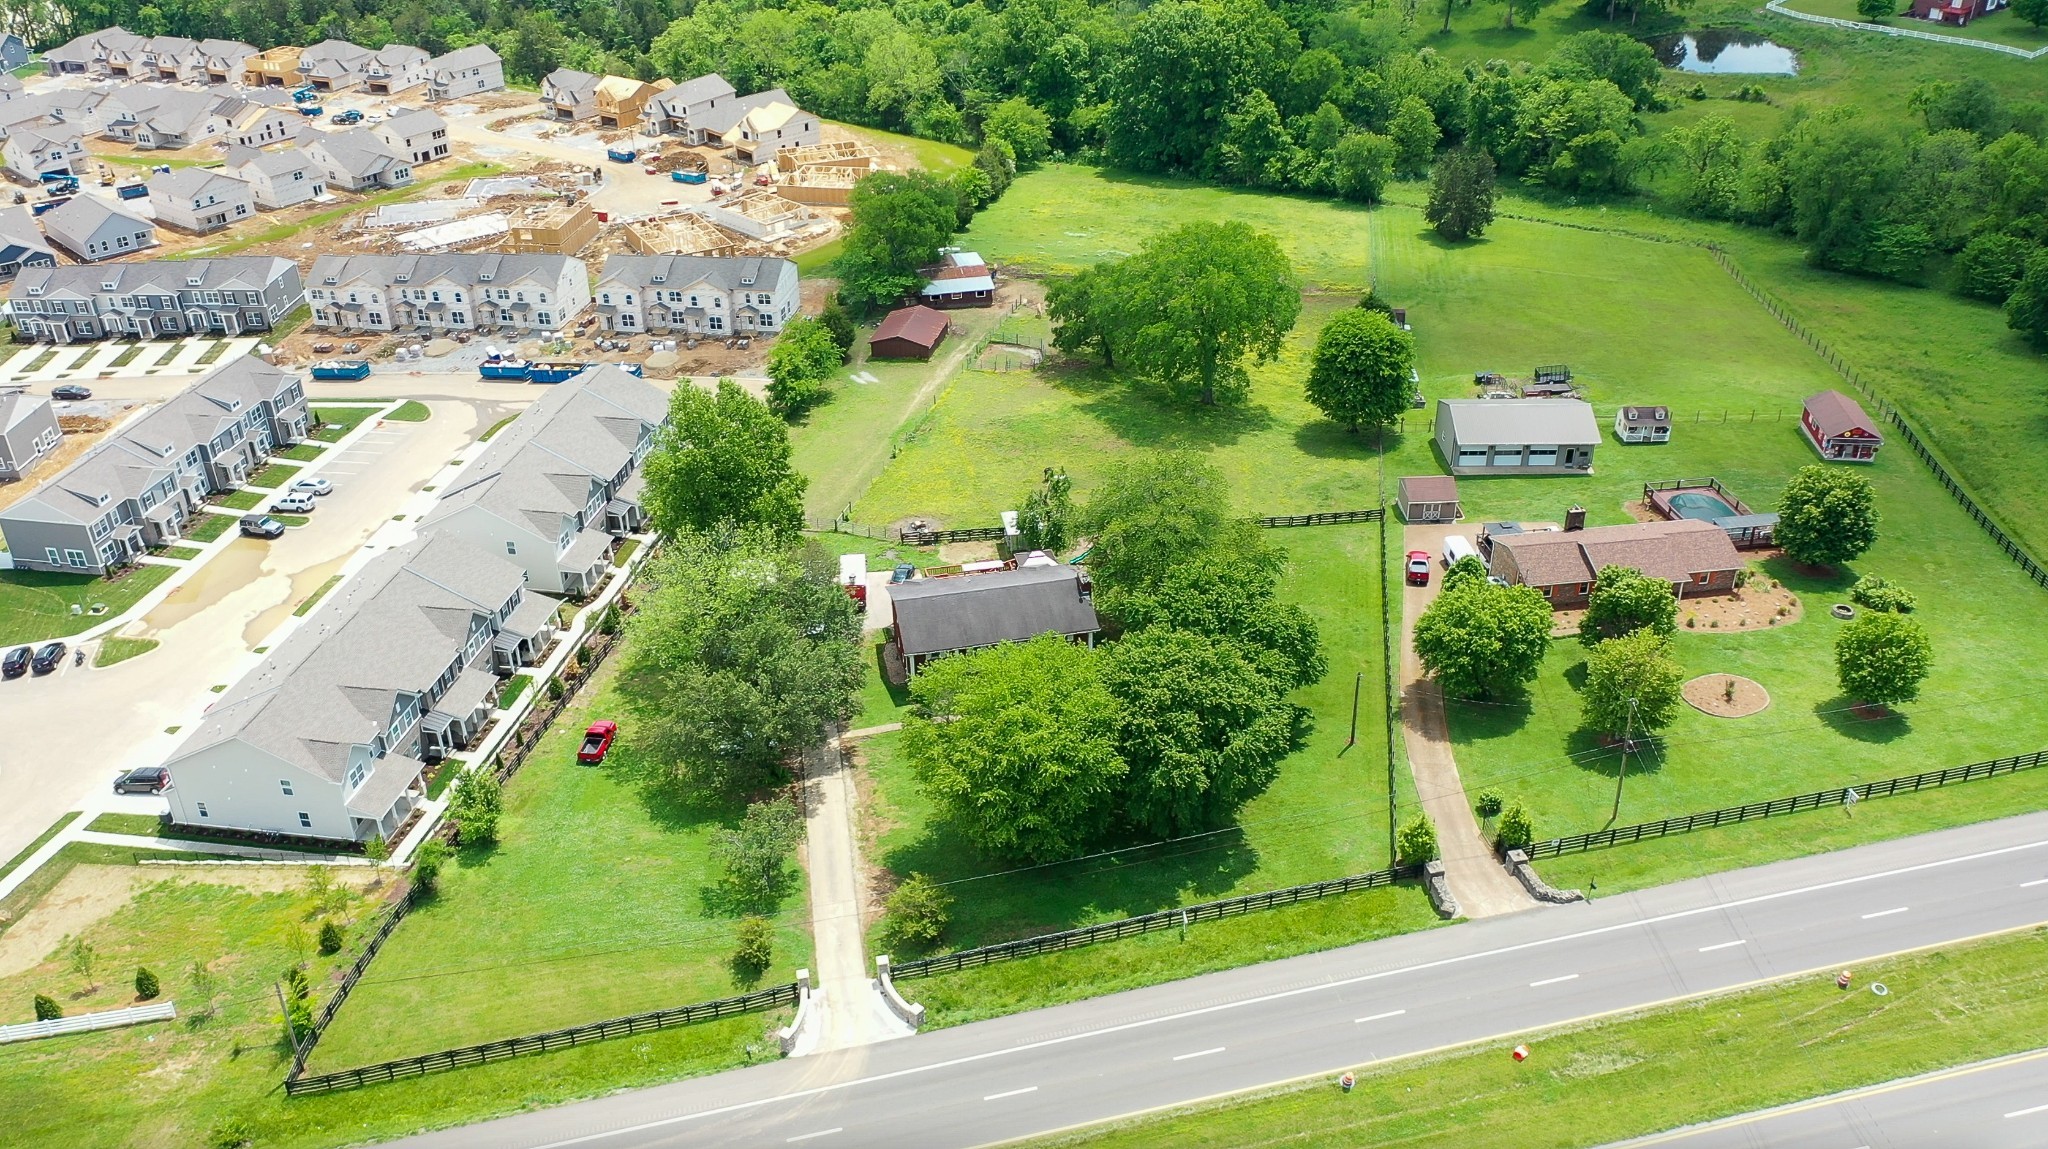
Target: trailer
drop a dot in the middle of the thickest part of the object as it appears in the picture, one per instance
(341, 369)
(48, 204)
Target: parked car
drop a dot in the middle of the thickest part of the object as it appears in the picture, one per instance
(48, 657)
(904, 572)
(16, 663)
(314, 486)
(292, 503)
(349, 117)
(1418, 568)
(143, 780)
(261, 527)
(70, 391)
(597, 742)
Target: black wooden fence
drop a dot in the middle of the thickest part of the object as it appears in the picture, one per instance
(1729, 816)
(1324, 518)
(989, 534)
(378, 937)
(963, 535)
(298, 1086)
(1146, 923)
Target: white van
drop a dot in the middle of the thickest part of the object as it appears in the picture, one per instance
(1457, 547)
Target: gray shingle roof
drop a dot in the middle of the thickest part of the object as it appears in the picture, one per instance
(722, 118)
(474, 56)
(357, 151)
(78, 220)
(273, 164)
(18, 405)
(710, 86)
(159, 276)
(936, 616)
(727, 273)
(333, 684)
(504, 270)
(1512, 422)
(184, 183)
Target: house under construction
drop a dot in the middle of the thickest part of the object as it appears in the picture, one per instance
(679, 233)
(759, 214)
(842, 153)
(819, 185)
(552, 229)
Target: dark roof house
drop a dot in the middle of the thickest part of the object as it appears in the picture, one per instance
(1694, 556)
(908, 333)
(966, 612)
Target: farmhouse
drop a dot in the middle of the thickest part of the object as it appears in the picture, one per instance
(908, 333)
(1696, 558)
(1837, 427)
(1516, 436)
(962, 279)
(1957, 12)
(1429, 499)
(938, 616)
(1643, 424)
(328, 736)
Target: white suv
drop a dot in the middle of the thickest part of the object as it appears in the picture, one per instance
(295, 503)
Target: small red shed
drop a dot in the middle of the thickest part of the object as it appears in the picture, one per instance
(908, 333)
(1839, 429)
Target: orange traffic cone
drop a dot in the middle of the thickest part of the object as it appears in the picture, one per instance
(1521, 1053)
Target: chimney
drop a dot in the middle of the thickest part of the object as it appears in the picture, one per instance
(1575, 519)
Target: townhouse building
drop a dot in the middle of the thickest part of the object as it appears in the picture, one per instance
(447, 292)
(561, 482)
(713, 296)
(232, 296)
(328, 737)
(141, 486)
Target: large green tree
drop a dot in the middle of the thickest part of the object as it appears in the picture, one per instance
(1015, 746)
(1827, 515)
(2026, 309)
(1201, 726)
(1088, 311)
(1623, 61)
(1359, 374)
(722, 460)
(1483, 641)
(1203, 299)
(743, 649)
(1227, 589)
(1149, 513)
(1625, 600)
(1881, 658)
(1188, 62)
(1633, 685)
(1461, 195)
(1048, 517)
(1361, 163)
(1025, 128)
(804, 356)
(899, 222)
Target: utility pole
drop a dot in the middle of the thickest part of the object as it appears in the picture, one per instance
(1356, 682)
(1627, 736)
(291, 1032)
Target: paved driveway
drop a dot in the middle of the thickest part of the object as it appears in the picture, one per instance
(76, 728)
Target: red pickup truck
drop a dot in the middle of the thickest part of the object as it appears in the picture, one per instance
(597, 742)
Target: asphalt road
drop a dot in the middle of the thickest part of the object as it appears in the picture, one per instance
(2001, 1104)
(1130, 1052)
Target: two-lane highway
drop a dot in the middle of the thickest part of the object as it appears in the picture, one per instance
(1171, 1044)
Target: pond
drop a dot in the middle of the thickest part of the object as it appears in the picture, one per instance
(1725, 52)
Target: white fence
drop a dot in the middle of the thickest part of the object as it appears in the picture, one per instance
(1778, 6)
(107, 1019)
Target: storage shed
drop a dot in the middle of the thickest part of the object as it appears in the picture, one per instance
(1643, 424)
(1429, 499)
(908, 333)
(1839, 429)
(1516, 436)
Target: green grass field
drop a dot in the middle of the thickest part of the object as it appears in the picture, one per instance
(1645, 1072)
(1324, 817)
(273, 475)
(337, 422)
(410, 411)
(591, 906)
(205, 528)
(117, 650)
(35, 605)
(2000, 27)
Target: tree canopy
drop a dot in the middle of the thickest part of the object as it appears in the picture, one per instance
(1632, 684)
(1828, 515)
(803, 357)
(1625, 600)
(1047, 520)
(1016, 747)
(1481, 641)
(1881, 658)
(1461, 195)
(1359, 373)
(723, 460)
(742, 650)
(1149, 512)
(899, 222)
(1228, 589)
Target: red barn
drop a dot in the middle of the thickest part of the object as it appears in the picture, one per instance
(1957, 12)
(908, 333)
(1838, 428)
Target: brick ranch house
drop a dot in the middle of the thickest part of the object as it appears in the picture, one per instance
(1696, 558)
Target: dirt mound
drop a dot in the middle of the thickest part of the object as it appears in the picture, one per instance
(1726, 695)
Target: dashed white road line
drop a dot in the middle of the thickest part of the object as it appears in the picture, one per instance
(1380, 1016)
(1722, 946)
(1199, 1053)
(819, 1133)
(2024, 1112)
(1552, 980)
(2035, 882)
(1011, 1093)
(1886, 913)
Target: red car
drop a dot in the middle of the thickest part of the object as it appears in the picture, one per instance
(1418, 568)
(597, 742)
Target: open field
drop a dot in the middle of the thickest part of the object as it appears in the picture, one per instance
(35, 605)
(1324, 817)
(593, 902)
(2000, 27)
(1641, 1073)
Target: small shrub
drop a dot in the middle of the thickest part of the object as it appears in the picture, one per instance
(47, 1008)
(1714, 625)
(1877, 593)
(1728, 691)
(1691, 622)
(146, 986)
(555, 688)
(330, 937)
(754, 947)
(1488, 804)
(234, 1133)
(1417, 841)
(608, 622)
(426, 865)
(918, 912)
(377, 849)
(1696, 92)
(295, 984)
(1516, 830)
